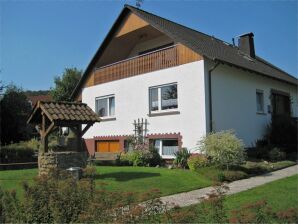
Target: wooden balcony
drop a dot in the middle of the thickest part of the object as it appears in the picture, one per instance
(149, 62)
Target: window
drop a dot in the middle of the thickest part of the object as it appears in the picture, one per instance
(166, 147)
(105, 106)
(163, 98)
(260, 101)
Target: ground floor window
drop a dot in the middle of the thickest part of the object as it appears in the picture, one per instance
(128, 146)
(166, 147)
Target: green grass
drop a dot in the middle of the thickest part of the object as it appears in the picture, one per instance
(280, 195)
(121, 178)
(13, 179)
(140, 179)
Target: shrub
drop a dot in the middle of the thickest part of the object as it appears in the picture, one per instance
(282, 132)
(197, 161)
(132, 158)
(19, 152)
(212, 209)
(181, 158)
(261, 150)
(224, 148)
(231, 175)
(141, 157)
(58, 198)
(276, 154)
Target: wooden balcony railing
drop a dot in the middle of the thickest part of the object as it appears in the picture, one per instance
(152, 61)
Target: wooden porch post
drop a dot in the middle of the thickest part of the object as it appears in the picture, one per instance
(44, 137)
(79, 137)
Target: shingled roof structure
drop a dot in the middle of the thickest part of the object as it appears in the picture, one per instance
(207, 46)
(48, 116)
(59, 112)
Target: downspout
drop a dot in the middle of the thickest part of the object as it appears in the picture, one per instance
(210, 94)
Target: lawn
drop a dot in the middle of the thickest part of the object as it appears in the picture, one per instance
(280, 195)
(142, 179)
(121, 178)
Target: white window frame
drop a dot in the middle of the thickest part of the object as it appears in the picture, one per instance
(259, 91)
(161, 146)
(108, 105)
(160, 110)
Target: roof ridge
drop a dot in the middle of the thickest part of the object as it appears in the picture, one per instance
(63, 102)
(210, 36)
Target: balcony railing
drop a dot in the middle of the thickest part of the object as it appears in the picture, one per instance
(149, 62)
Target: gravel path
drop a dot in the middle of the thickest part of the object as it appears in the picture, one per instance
(192, 197)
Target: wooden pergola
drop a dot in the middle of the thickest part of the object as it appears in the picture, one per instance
(48, 116)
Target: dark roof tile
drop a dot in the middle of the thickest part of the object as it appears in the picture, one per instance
(66, 111)
(212, 47)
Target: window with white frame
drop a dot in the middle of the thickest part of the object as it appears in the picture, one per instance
(166, 147)
(105, 106)
(163, 97)
(260, 101)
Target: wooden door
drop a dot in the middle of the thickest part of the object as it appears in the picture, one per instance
(107, 146)
(281, 104)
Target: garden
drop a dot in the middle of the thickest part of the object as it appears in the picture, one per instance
(114, 193)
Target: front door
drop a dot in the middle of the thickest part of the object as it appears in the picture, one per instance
(280, 104)
(108, 146)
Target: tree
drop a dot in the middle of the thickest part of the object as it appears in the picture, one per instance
(65, 85)
(15, 109)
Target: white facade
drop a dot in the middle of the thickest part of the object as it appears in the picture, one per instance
(132, 102)
(234, 101)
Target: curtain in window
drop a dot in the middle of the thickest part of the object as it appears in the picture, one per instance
(102, 107)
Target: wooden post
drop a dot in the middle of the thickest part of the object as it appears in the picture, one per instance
(79, 137)
(44, 136)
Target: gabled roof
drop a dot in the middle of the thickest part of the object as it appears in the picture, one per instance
(35, 99)
(205, 45)
(63, 111)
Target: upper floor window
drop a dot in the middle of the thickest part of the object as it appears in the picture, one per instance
(105, 106)
(163, 97)
(260, 101)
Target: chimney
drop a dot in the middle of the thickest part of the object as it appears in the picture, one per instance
(246, 44)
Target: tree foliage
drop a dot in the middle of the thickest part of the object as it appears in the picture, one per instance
(15, 110)
(36, 92)
(65, 85)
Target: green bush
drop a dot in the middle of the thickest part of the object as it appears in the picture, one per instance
(58, 198)
(232, 175)
(197, 161)
(19, 152)
(181, 158)
(282, 132)
(276, 154)
(142, 157)
(223, 148)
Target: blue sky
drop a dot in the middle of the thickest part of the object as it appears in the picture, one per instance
(40, 38)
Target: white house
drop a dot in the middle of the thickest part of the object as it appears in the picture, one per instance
(183, 82)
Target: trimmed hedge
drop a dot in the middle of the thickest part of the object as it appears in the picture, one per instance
(18, 153)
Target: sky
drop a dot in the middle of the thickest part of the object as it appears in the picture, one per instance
(39, 39)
